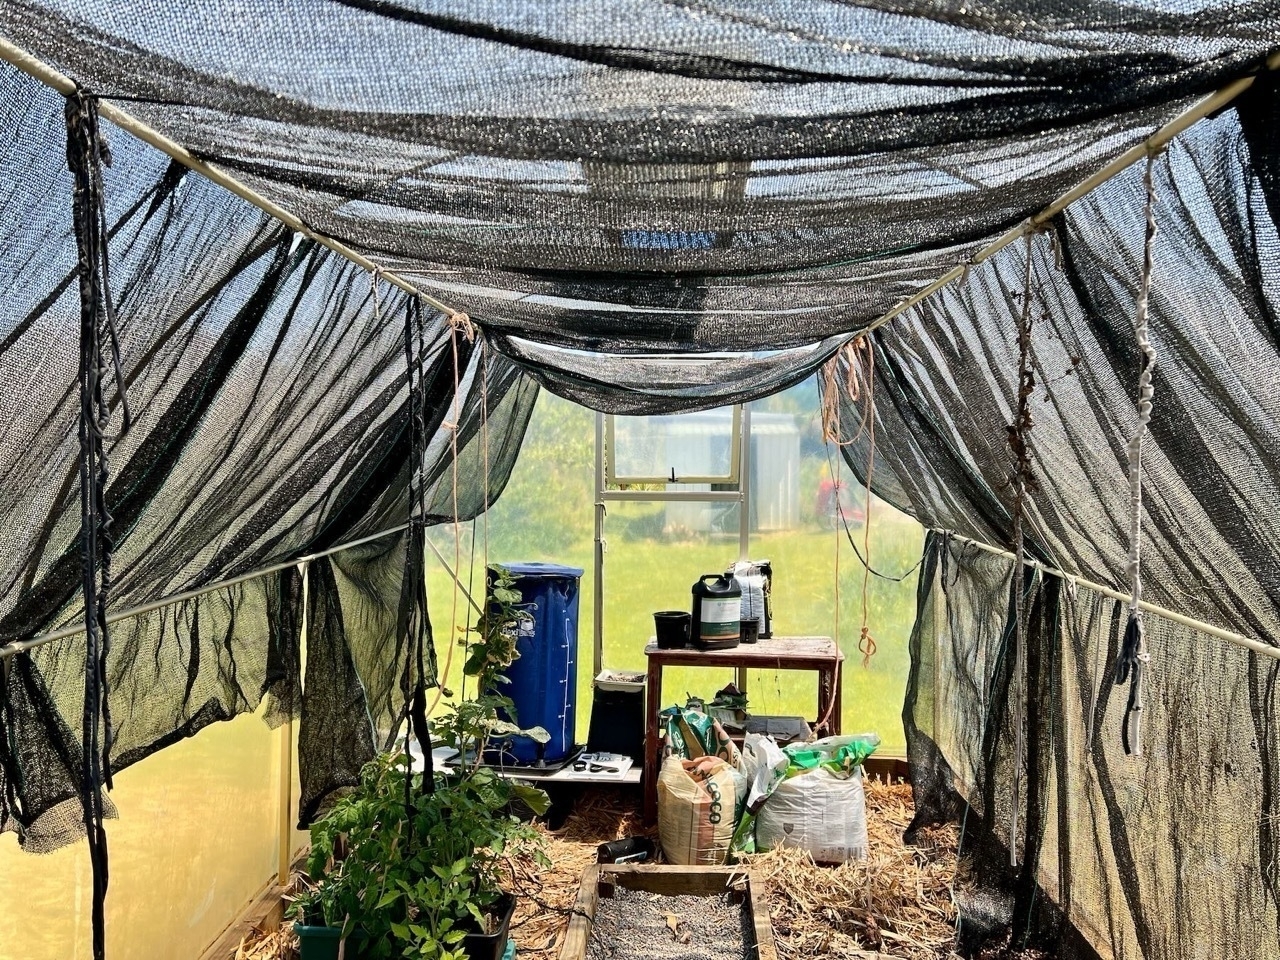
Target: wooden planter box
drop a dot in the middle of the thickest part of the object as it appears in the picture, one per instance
(599, 880)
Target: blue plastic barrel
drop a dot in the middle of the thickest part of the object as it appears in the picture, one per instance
(543, 680)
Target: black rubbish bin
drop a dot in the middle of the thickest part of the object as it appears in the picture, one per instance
(617, 715)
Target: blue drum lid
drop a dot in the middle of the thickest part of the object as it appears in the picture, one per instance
(536, 569)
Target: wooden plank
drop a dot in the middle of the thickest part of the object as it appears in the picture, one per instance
(673, 880)
(780, 653)
(888, 768)
(584, 911)
(652, 740)
(766, 949)
(264, 912)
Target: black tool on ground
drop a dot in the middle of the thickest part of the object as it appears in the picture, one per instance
(626, 850)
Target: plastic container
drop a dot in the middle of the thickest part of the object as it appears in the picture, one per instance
(322, 943)
(543, 681)
(626, 850)
(317, 943)
(617, 716)
(755, 577)
(716, 622)
(750, 631)
(492, 946)
(671, 628)
(619, 681)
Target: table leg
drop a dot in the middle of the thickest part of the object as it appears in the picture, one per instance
(829, 699)
(652, 707)
(838, 682)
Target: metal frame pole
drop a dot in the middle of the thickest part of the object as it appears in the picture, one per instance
(597, 600)
(1248, 643)
(21, 646)
(744, 510)
(1153, 144)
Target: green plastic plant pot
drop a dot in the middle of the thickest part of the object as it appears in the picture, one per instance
(318, 943)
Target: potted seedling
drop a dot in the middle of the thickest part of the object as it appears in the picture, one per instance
(321, 913)
(402, 868)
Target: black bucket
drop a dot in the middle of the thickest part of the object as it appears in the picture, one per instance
(671, 628)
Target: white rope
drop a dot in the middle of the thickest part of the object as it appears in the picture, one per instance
(1145, 393)
(1133, 653)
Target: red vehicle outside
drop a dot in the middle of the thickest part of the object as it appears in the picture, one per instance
(833, 503)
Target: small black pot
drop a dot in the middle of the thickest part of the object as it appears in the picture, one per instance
(671, 628)
(491, 946)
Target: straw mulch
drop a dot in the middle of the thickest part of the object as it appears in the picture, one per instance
(897, 901)
(547, 895)
(279, 944)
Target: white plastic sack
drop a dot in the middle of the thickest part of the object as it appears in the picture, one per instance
(763, 765)
(696, 803)
(819, 812)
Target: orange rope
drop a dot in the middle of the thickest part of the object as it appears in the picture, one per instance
(853, 387)
(867, 643)
(459, 323)
(858, 384)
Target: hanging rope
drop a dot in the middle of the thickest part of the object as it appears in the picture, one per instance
(867, 643)
(1134, 657)
(414, 619)
(459, 325)
(87, 152)
(484, 432)
(857, 385)
(1023, 481)
(859, 360)
(833, 395)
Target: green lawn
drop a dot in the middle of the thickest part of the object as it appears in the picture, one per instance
(647, 575)
(546, 514)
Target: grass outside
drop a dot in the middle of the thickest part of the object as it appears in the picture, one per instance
(642, 576)
(652, 559)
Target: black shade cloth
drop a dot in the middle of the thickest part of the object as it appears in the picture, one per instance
(268, 392)
(1120, 856)
(606, 187)
(638, 177)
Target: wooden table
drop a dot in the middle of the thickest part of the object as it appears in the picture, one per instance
(818, 654)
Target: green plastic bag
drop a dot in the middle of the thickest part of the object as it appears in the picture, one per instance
(691, 734)
(839, 755)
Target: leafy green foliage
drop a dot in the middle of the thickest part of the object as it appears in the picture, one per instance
(470, 725)
(415, 878)
(414, 871)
